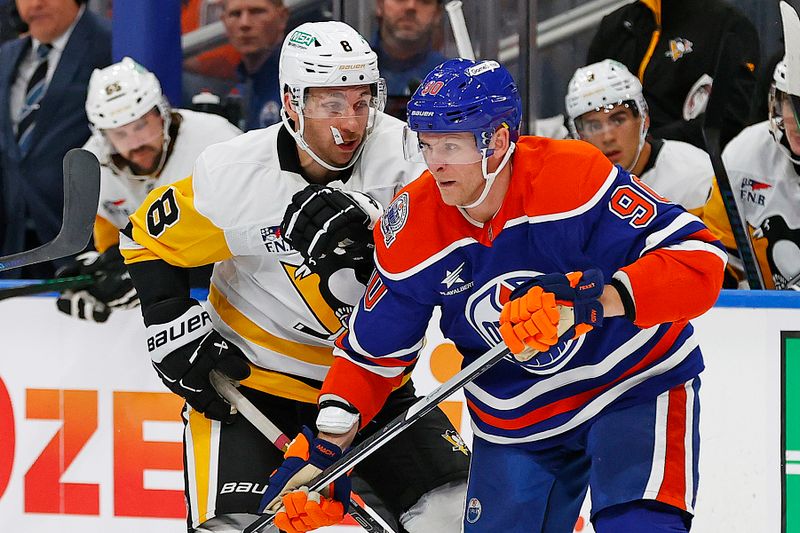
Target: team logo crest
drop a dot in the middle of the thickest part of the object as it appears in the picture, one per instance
(483, 313)
(455, 439)
(113, 88)
(394, 219)
(678, 48)
(473, 510)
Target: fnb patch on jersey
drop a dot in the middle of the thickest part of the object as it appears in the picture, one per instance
(273, 241)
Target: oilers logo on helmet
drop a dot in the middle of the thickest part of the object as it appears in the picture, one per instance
(483, 309)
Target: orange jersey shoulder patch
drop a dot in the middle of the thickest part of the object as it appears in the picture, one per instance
(416, 225)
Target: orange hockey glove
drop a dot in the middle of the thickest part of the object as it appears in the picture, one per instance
(306, 511)
(550, 308)
(287, 493)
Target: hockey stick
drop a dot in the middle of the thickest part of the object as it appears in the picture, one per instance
(367, 518)
(81, 194)
(712, 126)
(460, 32)
(402, 422)
(48, 285)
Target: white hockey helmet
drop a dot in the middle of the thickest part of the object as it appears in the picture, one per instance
(779, 76)
(122, 93)
(778, 93)
(603, 86)
(327, 54)
(599, 86)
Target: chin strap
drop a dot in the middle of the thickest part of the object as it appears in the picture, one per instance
(490, 176)
(303, 145)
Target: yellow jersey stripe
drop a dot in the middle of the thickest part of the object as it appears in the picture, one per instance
(278, 384)
(200, 427)
(317, 355)
(106, 234)
(655, 7)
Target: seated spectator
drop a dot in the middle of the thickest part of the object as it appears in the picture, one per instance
(141, 144)
(11, 26)
(43, 79)
(256, 29)
(404, 43)
(212, 70)
(763, 165)
(672, 46)
(606, 108)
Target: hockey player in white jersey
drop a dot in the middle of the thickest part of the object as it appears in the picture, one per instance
(335, 161)
(141, 143)
(606, 108)
(763, 165)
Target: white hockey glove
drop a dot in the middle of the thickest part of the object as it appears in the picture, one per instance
(185, 347)
(112, 287)
(328, 224)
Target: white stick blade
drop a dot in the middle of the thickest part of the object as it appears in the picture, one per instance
(791, 33)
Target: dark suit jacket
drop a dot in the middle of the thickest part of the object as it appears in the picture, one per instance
(34, 183)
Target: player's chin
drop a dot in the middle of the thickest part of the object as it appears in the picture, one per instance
(450, 196)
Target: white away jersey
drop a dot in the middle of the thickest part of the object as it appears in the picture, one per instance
(682, 173)
(767, 190)
(121, 193)
(284, 316)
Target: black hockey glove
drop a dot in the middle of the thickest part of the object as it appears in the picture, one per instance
(326, 224)
(112, 287)
(185, 347)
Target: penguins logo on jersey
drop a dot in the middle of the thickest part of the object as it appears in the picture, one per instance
(329, 295)
(679, 47)
(455, 439)
(483, 314)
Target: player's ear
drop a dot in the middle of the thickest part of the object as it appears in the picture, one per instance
(500, 142)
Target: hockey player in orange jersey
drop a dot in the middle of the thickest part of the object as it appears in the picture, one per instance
(581, 270)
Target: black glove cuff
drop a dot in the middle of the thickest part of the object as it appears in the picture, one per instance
(167, 310)
(340, 404)
(625, 296)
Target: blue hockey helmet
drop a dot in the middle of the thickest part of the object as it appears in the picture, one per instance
(462, 95)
